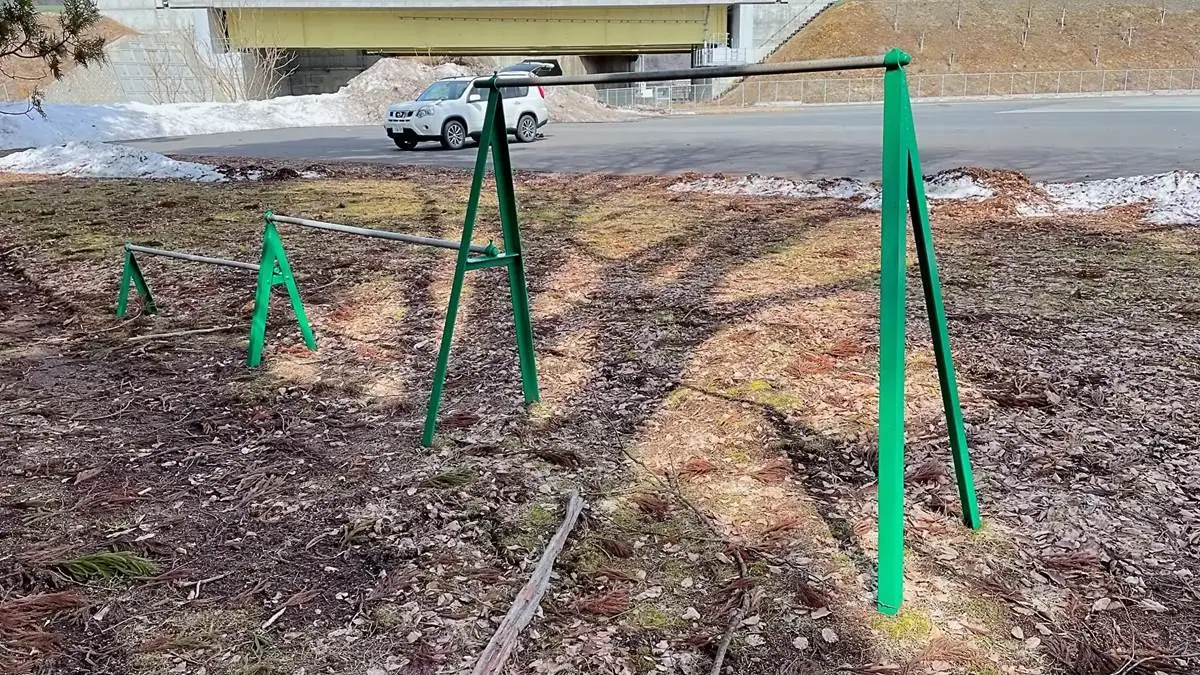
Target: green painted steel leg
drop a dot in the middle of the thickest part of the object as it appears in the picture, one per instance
(262, 303)
(289, 281)
(892, 342)
(518, 288)
(460, 269)
(935, 308)
(133, 273)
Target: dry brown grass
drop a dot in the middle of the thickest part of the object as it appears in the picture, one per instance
(22, 627)
(737, 365)
(990, 39)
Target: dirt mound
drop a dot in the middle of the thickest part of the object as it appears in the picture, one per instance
(396, 79)
(568, 105)
(393, 80)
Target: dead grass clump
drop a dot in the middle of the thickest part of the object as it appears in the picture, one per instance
(945, 649)
(613, 574)
(615, 547)
(449, 479)
(653, 506)
(611, 603)
(781, 524)
(730, 595)
(695, 467)
(560, 457)
(930, 471)
(844, 347)
(809, 595)
(22, 622)
(774, 471)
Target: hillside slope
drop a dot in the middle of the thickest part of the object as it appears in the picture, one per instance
(1003, 36)
(20, 77)
(988, 36)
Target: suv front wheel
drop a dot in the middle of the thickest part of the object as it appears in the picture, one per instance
(526, 128)
(454, 135)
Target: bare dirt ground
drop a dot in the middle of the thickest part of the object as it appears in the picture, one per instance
(708, 379)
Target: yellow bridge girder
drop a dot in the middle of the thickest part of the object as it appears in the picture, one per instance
(550, 30)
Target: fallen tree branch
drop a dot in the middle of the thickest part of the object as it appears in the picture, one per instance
(712, 526)
(179, 333)
(498, 649)
(738, 617)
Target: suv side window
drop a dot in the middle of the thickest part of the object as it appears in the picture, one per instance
(514, 92)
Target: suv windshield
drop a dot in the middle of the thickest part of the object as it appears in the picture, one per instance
(444, 91)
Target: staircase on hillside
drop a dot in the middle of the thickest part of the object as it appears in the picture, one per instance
(801, 14)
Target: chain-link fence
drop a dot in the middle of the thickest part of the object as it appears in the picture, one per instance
(870, 88)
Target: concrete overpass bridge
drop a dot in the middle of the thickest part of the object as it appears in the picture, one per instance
(477, 27)
(198, 50)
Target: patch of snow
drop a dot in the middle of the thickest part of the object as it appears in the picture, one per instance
(363, 101)
(948, 185)
(956, 184)
(98, 160)
(1171, 198)
(763, 186)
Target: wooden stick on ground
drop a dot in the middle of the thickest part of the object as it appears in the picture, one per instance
(179, 333)
(491, 661)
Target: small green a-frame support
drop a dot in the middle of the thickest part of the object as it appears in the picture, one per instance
(272, 270)
(132, 272)
(904, 197)
(494, 137)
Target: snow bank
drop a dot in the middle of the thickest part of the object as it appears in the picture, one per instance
(1169, 198)
(98, 160)
(127, 121)
(364, 100)
(948, 185)
(765, 186)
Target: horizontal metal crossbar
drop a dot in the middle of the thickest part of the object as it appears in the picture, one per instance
(253, 267)
(380, 234)
(509, 79)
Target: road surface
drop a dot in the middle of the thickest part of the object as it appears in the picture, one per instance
(1047, 139)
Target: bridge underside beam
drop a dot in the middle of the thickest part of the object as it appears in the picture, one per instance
(551, 30)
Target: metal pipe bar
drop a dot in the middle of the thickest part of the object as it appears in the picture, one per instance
(253, 267)
(380, 234)
(509, 79)
(483, 263)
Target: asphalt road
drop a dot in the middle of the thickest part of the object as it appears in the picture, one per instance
(1048, 139)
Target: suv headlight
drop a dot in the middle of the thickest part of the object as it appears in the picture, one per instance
(425, 111)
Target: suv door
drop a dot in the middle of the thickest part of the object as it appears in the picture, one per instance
(512, 104)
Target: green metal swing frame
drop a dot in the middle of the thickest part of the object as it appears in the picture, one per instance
(904, 201)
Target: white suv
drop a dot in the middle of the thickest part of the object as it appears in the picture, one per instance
(451, 111)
